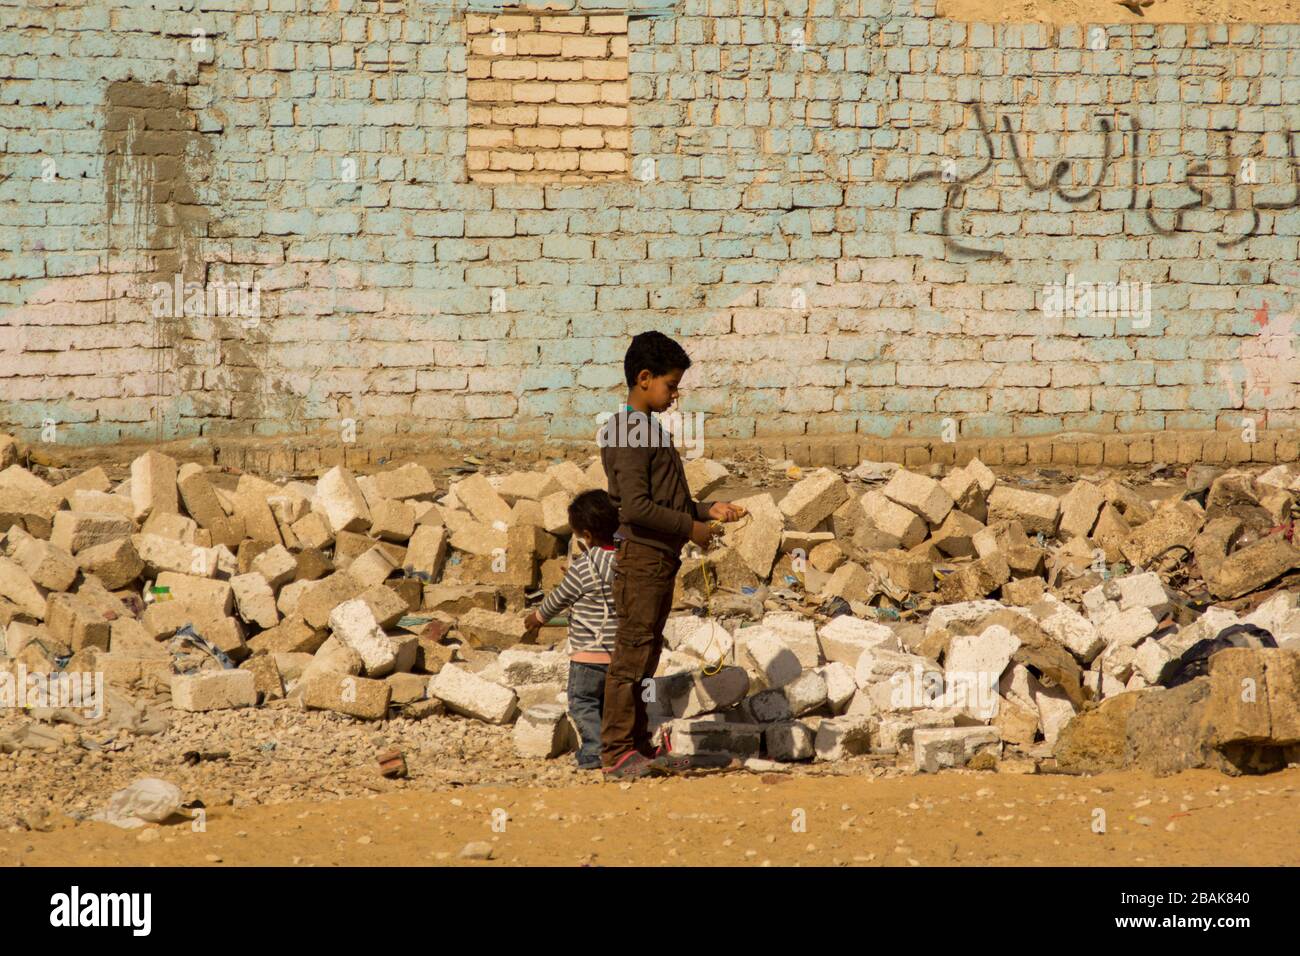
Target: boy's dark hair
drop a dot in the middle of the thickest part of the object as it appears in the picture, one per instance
(594, 512)
(657, 353)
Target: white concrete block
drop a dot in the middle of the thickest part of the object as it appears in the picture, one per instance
(941, 747)
(844, 638)
(468, 694)
(213, 690)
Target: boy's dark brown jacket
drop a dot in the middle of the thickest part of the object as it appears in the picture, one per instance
(648, 483)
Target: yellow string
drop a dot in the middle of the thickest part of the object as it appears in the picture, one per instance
(708, 670)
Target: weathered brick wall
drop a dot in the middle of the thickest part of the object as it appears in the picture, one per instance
(850, 212)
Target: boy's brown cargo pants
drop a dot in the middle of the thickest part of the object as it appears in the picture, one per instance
(643, 597)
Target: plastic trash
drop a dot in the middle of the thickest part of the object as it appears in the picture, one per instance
(148, 800)
(1195, 661)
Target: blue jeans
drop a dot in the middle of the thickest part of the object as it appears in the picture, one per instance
(586, 697)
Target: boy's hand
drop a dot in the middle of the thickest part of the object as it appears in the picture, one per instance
(723, 511)
(531, 623)
(701, 534)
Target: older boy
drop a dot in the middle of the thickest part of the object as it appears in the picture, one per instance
(657, 516)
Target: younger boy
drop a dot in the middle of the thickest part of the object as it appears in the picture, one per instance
(587, 590)
(657, 515)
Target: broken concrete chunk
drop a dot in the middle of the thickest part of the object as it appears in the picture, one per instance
(255, 600)
(346, 694)
(812, 499)
(769, 658)
(842, 737)
(919, 494)
(340, 499)
(115, 563)
(938, 748)
(1080, 507)
(466, 693)
(1037, 513)
(74, 530)
(153, 485)
(487, 629)
(477, 496)
(789, 741)
(214, 690)
(353, 623)
(543, 731)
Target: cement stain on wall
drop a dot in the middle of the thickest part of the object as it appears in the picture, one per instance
(154, 159)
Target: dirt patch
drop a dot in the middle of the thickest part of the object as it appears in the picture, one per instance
(961, 818)
(1108, 11)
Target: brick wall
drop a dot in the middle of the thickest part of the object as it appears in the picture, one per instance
(852, 213)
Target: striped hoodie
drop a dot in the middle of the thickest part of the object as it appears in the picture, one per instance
(587, 588)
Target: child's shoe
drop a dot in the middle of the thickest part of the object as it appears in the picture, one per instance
(631, 766)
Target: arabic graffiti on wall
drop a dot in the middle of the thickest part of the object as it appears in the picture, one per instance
(1199, 179)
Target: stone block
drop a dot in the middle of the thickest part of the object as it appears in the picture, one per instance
(153, 485)
(115, 563)
(75, 530)
(812, 499)
(319, 598)
(408, 481)
(954, 536)
(348, 694)
(1035, 512)
(841, 737)
(354, 624)
(938, 748)
(340, 499)
(757, 537)
(468, 694)
(844, 638)
(255, 600)
(392, 520)
(71, 619)
(48, 567)
(692, 737)
(919, 494)
(710, 692)
(214, 690)
(543, 731)
(840, 683)
(975, 580)
(773, 663)
(477, 496)
(1080, 507)
(789, 741)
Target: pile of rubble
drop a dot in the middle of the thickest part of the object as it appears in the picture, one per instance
(967, 620)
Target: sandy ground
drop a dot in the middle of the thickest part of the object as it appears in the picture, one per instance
(1108, 11)
(735, 819)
